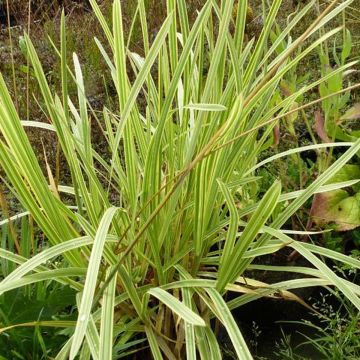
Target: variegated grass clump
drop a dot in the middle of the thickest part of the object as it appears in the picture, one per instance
(153, 267)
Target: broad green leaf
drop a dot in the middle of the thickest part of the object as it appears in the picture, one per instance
(336, 208)
(352, 114)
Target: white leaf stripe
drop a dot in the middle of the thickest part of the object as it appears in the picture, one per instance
(177, 306)
(91, 280)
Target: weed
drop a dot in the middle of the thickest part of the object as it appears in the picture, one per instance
(334, 336)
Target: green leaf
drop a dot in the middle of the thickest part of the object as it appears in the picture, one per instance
(231, 233)
(206, 107)
(352, 114)
(225, 316)
(91, 280)
(337, 208)
(177, 307)
(107, 320)
(234, 265)
(326, 272)
(153, 342)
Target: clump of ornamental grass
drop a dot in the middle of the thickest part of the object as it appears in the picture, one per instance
(165, 222)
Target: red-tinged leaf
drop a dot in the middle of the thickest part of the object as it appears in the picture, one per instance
(285, 89)
(336, 208)
(320, 126)
(276, 135)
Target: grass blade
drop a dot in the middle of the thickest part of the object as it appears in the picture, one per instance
(90, 282)
(178, 307)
